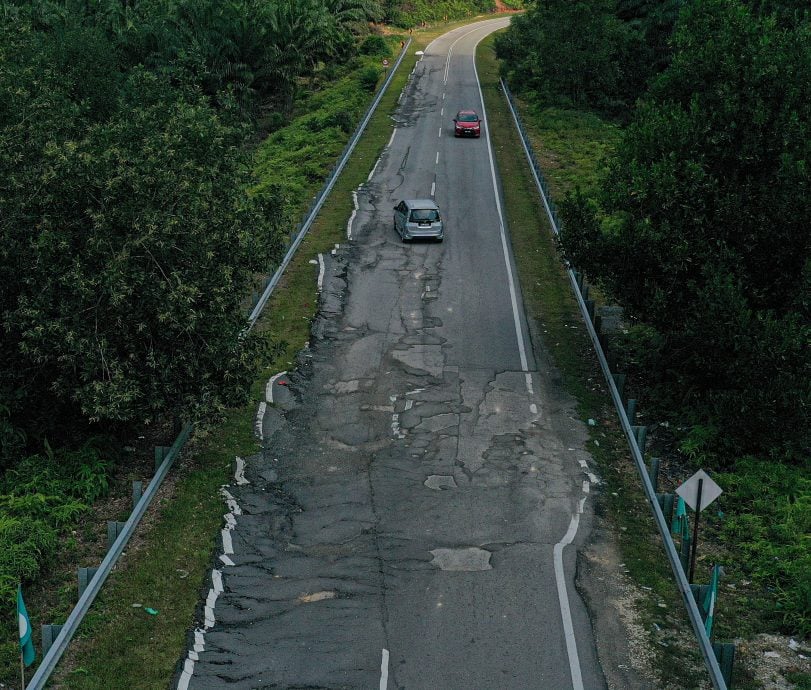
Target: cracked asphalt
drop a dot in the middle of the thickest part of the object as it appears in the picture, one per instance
(414, 475)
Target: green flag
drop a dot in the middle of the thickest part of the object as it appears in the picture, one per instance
(26, 645)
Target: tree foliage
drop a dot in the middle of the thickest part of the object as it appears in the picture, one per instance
(702, 231)
(408, 13)
(588, 53)
(565, 48)
(130, 234)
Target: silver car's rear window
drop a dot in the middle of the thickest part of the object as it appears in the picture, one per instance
(421, 215)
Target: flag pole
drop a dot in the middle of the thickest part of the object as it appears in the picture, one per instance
(22, 670)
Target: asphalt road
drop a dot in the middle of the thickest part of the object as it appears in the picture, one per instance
(399, 528)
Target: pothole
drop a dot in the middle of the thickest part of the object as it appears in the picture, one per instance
(440, 481)
(470, 559)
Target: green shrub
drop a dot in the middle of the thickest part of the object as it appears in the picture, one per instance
(375, 45)
(368, 77)
(40, 499)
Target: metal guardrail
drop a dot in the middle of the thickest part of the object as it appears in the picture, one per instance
(86, 598)
(670, 548)
(79, 611)
(318, 202)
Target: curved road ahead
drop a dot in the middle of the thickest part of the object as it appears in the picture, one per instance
(419, 474)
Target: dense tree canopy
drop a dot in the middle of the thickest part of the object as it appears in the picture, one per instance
(596, 53)
(409, 13)
(705, 223)
(128, 235)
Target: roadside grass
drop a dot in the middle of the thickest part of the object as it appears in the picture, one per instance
(167, 564)
(551, 305)
(570, 144)
(121, 645)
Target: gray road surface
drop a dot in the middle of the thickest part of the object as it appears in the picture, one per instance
(417, 471)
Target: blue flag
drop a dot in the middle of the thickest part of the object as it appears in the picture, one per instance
(26, 645)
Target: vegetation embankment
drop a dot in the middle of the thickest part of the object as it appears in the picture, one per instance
(696, 221)
(176, 212)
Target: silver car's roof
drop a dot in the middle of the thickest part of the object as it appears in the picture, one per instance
(421, 203)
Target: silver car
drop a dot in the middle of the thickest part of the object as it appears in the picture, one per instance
(418, 218)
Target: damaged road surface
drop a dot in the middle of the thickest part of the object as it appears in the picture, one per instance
(419, 476)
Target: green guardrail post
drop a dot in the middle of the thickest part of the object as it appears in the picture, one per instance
(630, 410)
(113, 530)
(49, 633)
(137, 492)
(666, 502)
(653, 472)
(709, 599)
(700, 594)
(590, 309)
(684, 553)
(619, 382)
(641, 435)
(725, 653)
(160, 455)
(85, 575)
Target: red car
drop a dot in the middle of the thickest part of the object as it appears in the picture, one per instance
(467, 124)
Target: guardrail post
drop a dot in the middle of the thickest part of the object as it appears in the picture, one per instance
(137, 492)
(113, 530)
(85, 575)
(49, 633)
(584, 291)
(725, 653)
(619, 382)
(666, 503)
(653, 472)
(699, 594)
(590, 309)
(630, 410)
(641, 434)
(160, 455)
(578, 278)
(684, 552)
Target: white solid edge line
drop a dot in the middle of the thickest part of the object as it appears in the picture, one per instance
(373, 170)
(510, 280)
(391, 138)
(321, 269)
(272, 380)
(563, 599)
(239, 473)
(351, 220)
(260, 416)
(384, 670)
(185, 677)
(227, 544)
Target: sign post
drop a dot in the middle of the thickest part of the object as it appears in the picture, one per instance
(698, 492)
